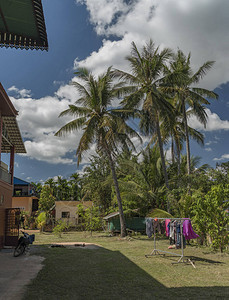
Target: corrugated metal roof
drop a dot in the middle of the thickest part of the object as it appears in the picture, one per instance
(114, 214)
(14, 136)
(22, 25)
(11, 135)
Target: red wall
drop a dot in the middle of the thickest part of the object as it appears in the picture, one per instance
(6, 190)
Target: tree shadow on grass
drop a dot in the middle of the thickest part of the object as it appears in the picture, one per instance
(104, 274)
(206, 260)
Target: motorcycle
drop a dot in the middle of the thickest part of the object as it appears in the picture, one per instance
(23, 243)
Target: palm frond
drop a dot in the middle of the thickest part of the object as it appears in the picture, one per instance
(71, 126)
(205, 93)
(202, 71)
(74, 110)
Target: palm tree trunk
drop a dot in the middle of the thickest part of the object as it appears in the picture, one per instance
(187, 140)
(162, 160)
(172, 151)
(114, 175)
(178, 155)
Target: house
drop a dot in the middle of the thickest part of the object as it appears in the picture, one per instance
(11, 143)
(67, 210)
(24, 196)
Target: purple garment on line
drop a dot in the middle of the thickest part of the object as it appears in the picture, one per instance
(188, 231)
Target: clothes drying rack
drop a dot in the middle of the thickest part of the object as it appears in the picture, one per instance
(182, 258)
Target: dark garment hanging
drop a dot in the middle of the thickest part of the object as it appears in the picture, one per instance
(149, 227)
(163, 230)
(156, 226)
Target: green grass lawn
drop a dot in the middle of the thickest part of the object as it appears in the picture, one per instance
(120, 270)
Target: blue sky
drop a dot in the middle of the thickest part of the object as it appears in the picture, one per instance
(97, 34)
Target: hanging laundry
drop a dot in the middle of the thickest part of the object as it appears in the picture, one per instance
(172, 233)
(167, 221)
(156, 226)
(149, 227)
(163, 229)
(188, 231)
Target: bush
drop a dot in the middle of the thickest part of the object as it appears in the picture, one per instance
(41, 221)
(60, 227)
(211, 216)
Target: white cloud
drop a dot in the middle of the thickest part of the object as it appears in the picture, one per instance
(102, 12)
(38, 121)
(214, 122)
(210, 143)
(208, 149)
(198, 26)
(24, 93)
(223, 157)
(68, 92)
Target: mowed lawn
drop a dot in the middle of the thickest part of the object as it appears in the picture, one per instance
(120, 270)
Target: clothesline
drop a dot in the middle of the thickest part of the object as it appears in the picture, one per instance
(188, 230)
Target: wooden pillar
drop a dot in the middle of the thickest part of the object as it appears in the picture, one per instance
(1, 124)
(12, 163)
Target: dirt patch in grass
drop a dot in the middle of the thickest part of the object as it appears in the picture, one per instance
(75, 245)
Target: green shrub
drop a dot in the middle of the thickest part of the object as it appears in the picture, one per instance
(60, 227)
(41, 221)
(211, 216)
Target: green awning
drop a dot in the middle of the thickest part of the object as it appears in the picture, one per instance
(22, 24)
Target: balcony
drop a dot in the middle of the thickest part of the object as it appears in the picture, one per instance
(4, 174)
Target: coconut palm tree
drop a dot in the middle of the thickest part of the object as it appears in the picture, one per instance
(100, 123)
(146, 75)
(173, 129)
(189, 100)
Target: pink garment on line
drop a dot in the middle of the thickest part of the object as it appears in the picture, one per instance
(188, 231)
(166, 226)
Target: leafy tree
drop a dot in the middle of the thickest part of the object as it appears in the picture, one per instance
(37, 188)
(62, 189)
(97, 183)
(211, 215)
(100, 124)
(93, 220)
(180, 83)
(60, 227)
(51, 183)
(41, 220)
(220, 175)
(146, 76)
(47, 200)
(90, 217)
(75, 187)
(173, 128)
(141, 183)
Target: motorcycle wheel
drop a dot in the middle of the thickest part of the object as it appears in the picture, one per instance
(19, 250)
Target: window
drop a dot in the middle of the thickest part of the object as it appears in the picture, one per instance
(65, 214)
